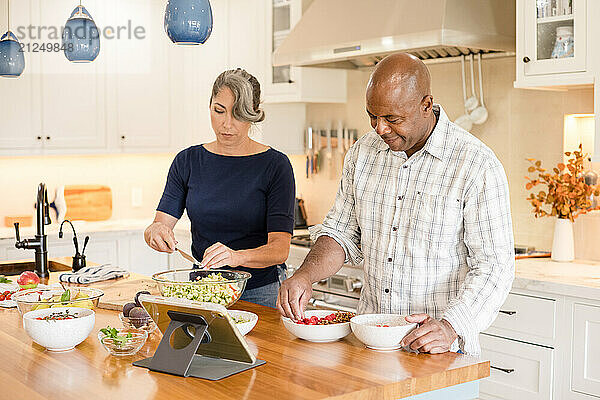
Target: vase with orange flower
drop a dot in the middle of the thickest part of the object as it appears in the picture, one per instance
(568, 195)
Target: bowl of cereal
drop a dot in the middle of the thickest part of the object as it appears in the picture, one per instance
(218, 286)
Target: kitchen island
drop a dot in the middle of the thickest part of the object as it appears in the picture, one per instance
(295, 369)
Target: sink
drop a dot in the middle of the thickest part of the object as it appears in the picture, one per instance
(15, 268)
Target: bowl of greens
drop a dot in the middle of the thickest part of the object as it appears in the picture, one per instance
(122, 342)
(218, 286)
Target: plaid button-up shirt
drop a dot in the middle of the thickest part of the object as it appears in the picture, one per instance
(434, 230)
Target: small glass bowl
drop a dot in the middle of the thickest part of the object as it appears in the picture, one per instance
(132, 346)
(183, 283)
(130, 323)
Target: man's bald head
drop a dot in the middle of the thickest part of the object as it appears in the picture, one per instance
(399, 102)
(402, 72)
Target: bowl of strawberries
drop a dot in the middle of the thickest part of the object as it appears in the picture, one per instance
(320, 326)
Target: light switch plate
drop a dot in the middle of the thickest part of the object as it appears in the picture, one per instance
(136, 196)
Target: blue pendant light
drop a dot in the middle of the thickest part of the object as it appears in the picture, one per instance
(81, 38)
(12, 58)
(188, 22)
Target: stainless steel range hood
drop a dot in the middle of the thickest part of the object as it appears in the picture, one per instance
(359, 33)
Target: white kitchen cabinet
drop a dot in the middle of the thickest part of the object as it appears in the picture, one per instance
(537, 23)
(141, 84)
(21, 130)
(247, 27)
(526, 318)
(586, 349)
(72, 94)
(286, 84)
(202, 64)
(518, 370)
(520, 345)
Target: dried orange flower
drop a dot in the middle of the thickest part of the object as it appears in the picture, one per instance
(568, 194)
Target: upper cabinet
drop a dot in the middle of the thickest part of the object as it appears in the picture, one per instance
(72, 94)
(297, 84)
(143, 93)
(554, 43)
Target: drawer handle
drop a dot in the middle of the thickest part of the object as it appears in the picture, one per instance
(508, 312)
(507, 370)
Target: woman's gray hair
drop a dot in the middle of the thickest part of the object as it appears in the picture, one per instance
(246, 90)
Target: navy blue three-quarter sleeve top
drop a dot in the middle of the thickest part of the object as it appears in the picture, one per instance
(235, 200)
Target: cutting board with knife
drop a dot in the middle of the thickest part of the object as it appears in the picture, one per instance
(119, 292)
(83, 202)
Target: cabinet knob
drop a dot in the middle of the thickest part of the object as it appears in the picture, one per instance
(526, 59)
(122, 137)
(39, 138)
(47, 137)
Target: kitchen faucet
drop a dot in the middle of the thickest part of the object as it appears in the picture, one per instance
(40, 242)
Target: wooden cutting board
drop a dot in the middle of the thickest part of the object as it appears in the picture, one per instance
(122, 291)
(88, 202)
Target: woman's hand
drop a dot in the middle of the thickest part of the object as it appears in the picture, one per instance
(219, 255)
(160, 237)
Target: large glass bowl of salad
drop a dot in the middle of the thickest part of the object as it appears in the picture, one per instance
(218, 286)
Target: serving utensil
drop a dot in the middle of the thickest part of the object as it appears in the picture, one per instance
(464, 121)
(480, 114)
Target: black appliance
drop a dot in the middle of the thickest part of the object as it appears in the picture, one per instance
(299, 215)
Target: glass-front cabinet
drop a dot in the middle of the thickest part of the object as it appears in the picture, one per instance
(554, 36)
(289, 84)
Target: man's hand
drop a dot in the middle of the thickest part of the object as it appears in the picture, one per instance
(431, 336)
(293, 296)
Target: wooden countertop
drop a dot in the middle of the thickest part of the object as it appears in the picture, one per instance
(295, 369)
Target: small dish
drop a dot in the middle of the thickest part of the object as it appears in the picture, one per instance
(145, 324)
(382, 332)
(59, 335)
(131, 346)
(317, 333)
(250, 320)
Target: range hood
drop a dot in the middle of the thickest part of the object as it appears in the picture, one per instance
(359, 33)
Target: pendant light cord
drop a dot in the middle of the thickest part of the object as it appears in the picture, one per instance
(9, 15)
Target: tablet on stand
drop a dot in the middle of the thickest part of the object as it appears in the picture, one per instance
(199, 339)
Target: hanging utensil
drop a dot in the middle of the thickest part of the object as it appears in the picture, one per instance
(479, 114)
(464, 121)
(309, 151)
(472, 101)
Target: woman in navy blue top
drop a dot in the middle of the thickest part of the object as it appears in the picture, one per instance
(238, 194)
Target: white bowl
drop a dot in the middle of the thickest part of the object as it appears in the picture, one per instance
(376, 337)
(244, 327)
(59, 335)
(317, 333)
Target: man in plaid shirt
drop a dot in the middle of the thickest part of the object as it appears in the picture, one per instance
(425, 206)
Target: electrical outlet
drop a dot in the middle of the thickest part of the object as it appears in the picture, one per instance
(136, 196)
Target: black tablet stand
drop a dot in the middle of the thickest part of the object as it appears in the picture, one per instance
(185, 362)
